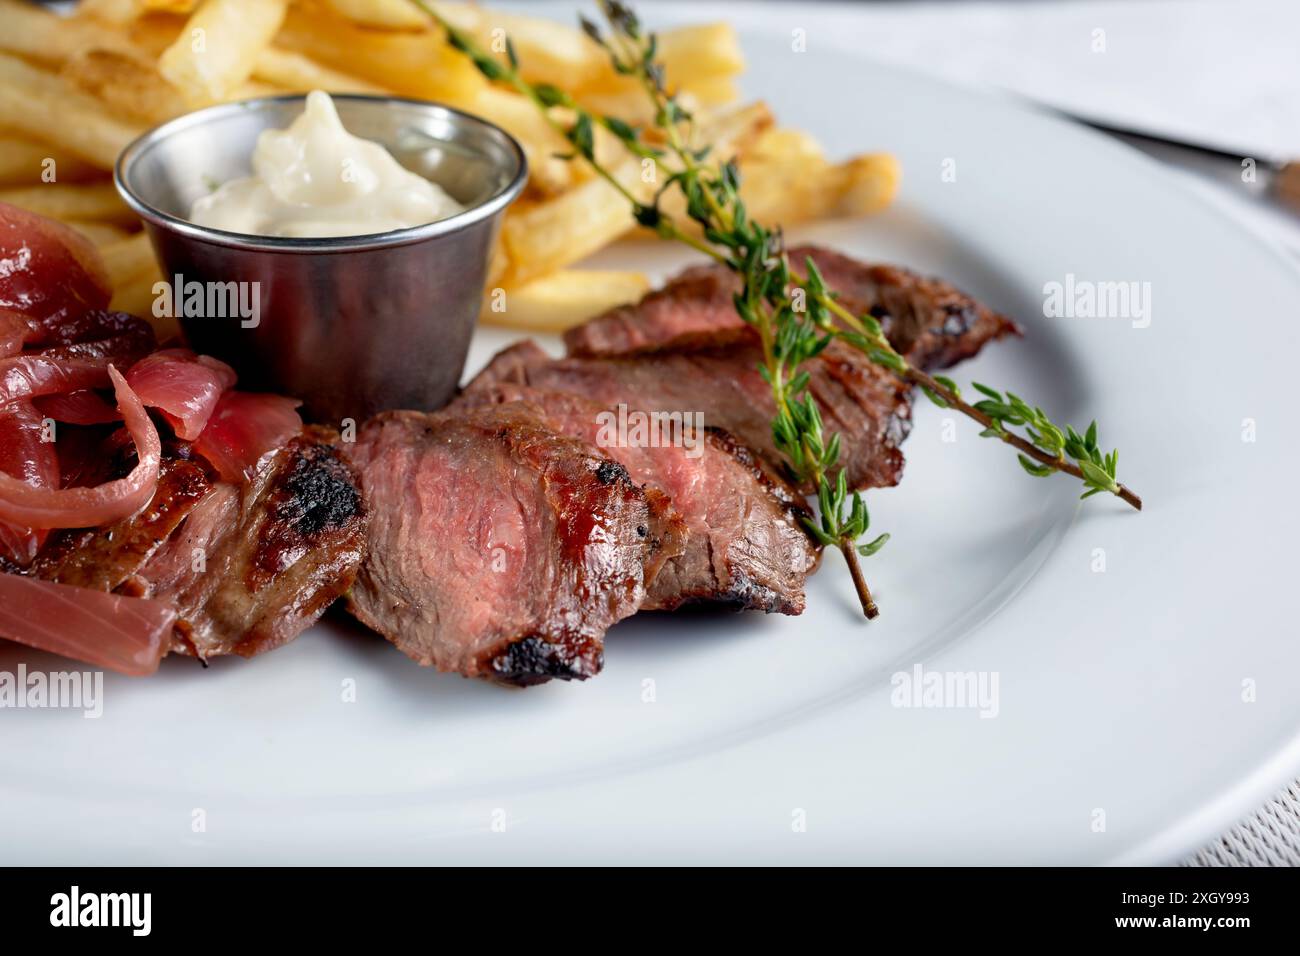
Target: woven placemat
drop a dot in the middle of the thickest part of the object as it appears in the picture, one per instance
(1270, 837)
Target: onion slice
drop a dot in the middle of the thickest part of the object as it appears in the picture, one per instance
(183, 386)
(23, 505)
(244, 427)
(125, 634)
(83, 407)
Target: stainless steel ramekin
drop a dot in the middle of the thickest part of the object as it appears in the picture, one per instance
(350, 325)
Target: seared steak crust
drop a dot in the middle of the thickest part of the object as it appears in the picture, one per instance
(499, 548)
(251, 568)
(928, 320)
(247, 568)
(718, 377)
(104, 558)
(744, 545)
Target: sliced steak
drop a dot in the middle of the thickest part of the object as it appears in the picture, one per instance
(104, 558)
(929, 321)
(499, 547)
(719, 378)
(744, 545)
(251, 567)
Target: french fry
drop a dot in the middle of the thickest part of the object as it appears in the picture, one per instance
(412, 64)
(38, 34)
(713, 90)
(168, 6)
(549, 52)
(96, 202)
(789, 189)
(110, 11)
(690, 55)
(100, 233)
(550, 235)
(781, 144)
(128, 258)
(548, 174)
(30, 97)
(154, 33)
(555, 302)
(218, 47)
(389, 14)
(867, 183)
(300, 74)
(137, 297)
(732, 133)
(127, 83)
(26, 162)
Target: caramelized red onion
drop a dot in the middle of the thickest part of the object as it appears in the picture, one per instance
(24, 505)
(243, 428)
(183, 386)
(125, 634)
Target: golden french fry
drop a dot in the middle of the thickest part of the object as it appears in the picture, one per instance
(790, 189)
(137, 297)
(293, 71)
(690, 55)
(110, 11)
(555, 302)
(127, 83)
(30, 97)
(218, 47)
(412, 64)
(712, 90)
(97, 202)
(100, 233)
(552, 234)
(548, 173)
(167, 6)
(867, 184)
(154, 33)
(128, 258)
(391, 14)
(781, 144)
(38, 34)
(26, 162)
(549, 52)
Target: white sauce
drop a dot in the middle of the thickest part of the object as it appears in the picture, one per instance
(316, 179)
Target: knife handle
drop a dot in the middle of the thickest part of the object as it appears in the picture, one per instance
(1286, 185)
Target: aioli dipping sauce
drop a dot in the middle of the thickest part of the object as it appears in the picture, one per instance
(315, 179)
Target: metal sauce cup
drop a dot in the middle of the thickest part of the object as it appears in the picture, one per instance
(350, 325)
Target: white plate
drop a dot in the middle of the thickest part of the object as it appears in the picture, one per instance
(1119, 692)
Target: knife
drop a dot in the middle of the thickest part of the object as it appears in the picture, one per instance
(1273, 177)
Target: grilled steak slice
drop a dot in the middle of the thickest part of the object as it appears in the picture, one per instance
(104, 558)
(498, 547)
(720, 379)
(251, 567)
(744, 545)
(929, 321)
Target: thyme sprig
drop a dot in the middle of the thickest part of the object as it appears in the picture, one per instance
(795, 316)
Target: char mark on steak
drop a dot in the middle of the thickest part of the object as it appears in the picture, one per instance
(247, 567)
(499, 547)
(275, 553)
(744, 545)
(718, 377)
(927, 320)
